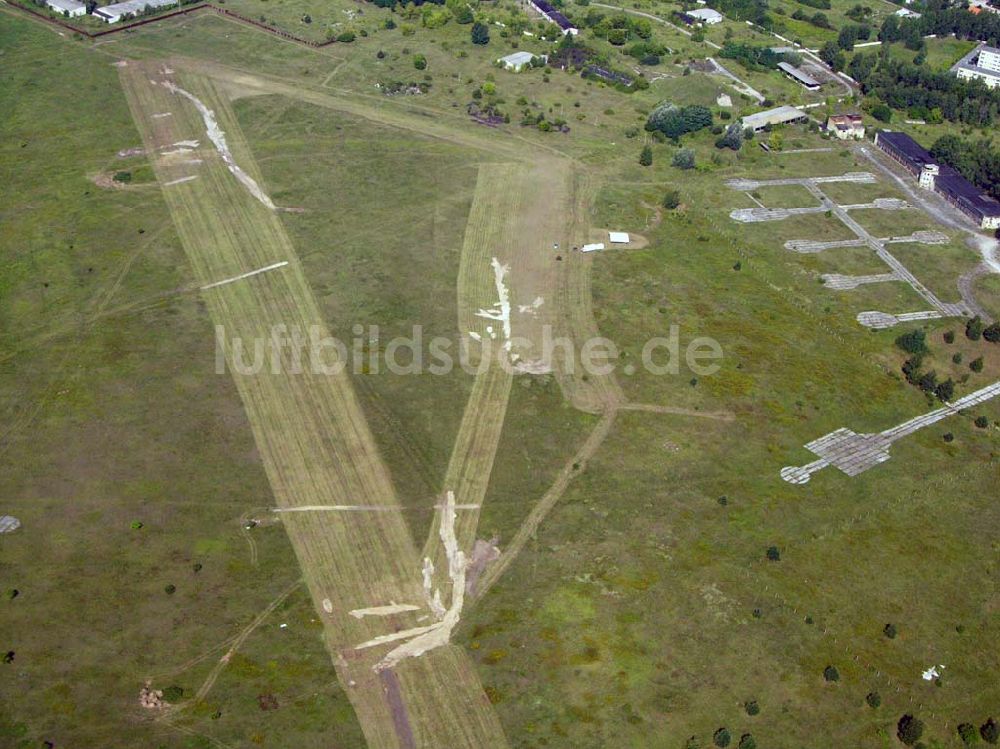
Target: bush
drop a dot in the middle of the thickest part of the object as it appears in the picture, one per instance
(170, 589)
(948, 437)
(945, 391)
(909, 729)
(346, 38)
(646, 156)
(173, 693)
(123, 177)
(671, 199)
(982, 422)
(957, 358)
(949, 336)
(882, 113)
(419, 62)
(890, 631)
(684, 159)
(721, 738)
(773, 554)
(830, 673)
(752, 707)
(480, 33)
(974, 329)
(992, 333)
(990, 731)
(747, 741)
(968, 733)
(874, 699)
(976, 365)
(914, 342)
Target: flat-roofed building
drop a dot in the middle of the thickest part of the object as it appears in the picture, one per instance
(549, 11)
(799, 76)
(520, 60)
(130, 9)
(70, 8)
(776, 116)
(982, 63)
(941, 178)
(706, 16)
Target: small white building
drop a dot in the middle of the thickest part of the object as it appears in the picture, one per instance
(618, 237)
(70, 8)
(907, 13)
(518, 61)
(776, 116)
(706, 16)
(846, 126)
(130, 9)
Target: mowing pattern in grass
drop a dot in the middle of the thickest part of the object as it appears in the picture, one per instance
(314, 441)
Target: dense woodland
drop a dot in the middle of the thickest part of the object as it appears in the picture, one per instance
(976, 160)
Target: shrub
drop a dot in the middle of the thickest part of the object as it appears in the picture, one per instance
(752, 707)
(948, 437)
(909, 729)
(949, 336)
(747, 741)
(957, 358)
(982, 422)
(992, 332)
(874, 699)
(968, 733)
(914, 342)
(173, 693)
(646, 156)
(990, 731)
(830, 673)
(346, 38)
(945, 390)
(671, 199)
(684, 159)
(170, 589)
(123, 177)
(419, 62)
(890, 631)
(974, 328)
(773, 554)
(480, 33)
(721, 738)
(136, 525)
(976, 365)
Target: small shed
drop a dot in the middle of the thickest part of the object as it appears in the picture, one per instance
(518, 61)
(706, 16)
(618, 237)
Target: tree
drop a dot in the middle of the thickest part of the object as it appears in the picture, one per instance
(646, 156)
(992, 332)
(990, 731)
(480, 33)
(721, 738)
(968, 733)
(346, 37)
(909, 729)
(684, 159)
(949, 336)
(732, 139)
(419, 62)
(462, 13)
(752, 707)
(945, 391)
(747, 741)
(832, 55)
(830, 673)
(914, 342)
(974, 328)
(976, 365)
(671, 199)
(982, 422)
(773, 554)
(874, 699)
(882, 113)
(890, 631)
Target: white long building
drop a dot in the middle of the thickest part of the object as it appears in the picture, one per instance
(982, 63)
(130, 9)
(70, 8)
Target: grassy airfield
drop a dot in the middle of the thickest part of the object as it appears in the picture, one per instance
(640, 609)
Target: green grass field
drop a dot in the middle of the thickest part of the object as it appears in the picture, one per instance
(641, 610)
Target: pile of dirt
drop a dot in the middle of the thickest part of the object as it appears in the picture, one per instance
(151, 699)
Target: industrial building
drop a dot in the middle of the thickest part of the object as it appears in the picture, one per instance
(518, 61)
(941, 178)
(129, 9)
(553, 15)
(776, 116)
(799, 76)
(706, 16)
(70, 8)
(846, 126)
(982, 63)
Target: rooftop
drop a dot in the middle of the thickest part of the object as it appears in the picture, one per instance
(801, 76)
(66, 5)
(776, 116)
(554, 15)
(135, 7)
(705, 14)
(971, 60)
